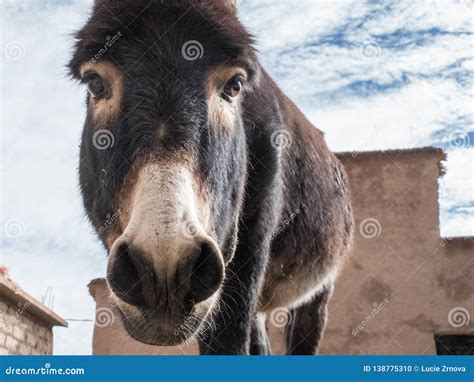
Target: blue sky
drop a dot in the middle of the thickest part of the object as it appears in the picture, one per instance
(371, 75)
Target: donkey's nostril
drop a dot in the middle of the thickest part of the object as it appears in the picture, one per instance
(131, 278)
(134, 280)
(207, 274)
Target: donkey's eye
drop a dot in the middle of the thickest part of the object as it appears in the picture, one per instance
(232, 88)
(95, 86)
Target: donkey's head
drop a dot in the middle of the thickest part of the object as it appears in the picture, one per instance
(163, 154)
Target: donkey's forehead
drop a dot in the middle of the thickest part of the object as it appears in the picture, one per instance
(184, 34)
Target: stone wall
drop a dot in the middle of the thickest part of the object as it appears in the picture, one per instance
(21, 333)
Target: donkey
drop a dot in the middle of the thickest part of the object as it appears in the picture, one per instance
(216, 199)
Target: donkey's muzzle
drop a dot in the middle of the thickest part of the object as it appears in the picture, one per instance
(194, 277)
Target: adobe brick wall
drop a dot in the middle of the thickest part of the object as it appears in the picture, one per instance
(20, 333)
(402, 283)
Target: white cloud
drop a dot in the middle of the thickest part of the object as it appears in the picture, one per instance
(451, 16)
(279, 24)
(400, 118)
(457, 192)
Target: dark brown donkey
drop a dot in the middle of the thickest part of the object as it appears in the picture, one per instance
(227, 204)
